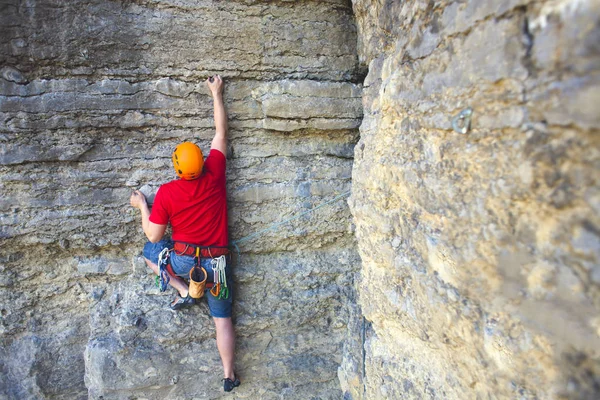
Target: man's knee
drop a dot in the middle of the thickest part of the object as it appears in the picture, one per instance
(152, 250)
(149, 262)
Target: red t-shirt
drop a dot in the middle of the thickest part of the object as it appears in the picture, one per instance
(197, 209)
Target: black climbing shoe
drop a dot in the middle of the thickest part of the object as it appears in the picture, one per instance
(181, 302)
(228, 384)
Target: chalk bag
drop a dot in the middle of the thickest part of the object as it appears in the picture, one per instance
(197, 282)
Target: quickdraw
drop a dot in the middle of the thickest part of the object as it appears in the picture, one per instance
(220, 289)
(163, 259)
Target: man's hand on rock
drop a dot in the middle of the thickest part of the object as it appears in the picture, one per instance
(215, 84)
(137, 199)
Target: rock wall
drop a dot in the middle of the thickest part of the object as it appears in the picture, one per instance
(94, 95)
(480, 251)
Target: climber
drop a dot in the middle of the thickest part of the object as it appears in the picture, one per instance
(196, 207)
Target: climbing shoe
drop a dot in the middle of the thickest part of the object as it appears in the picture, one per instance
(181, 302)
(228, 384)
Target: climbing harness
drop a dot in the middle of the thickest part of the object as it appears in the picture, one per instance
(197, 275)
(219, 290)
(188, 249)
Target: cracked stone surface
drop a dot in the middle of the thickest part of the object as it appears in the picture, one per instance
(484, 282)
(94, 96)
(475, 257)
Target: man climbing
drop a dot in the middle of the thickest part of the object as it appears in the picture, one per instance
(196, 207)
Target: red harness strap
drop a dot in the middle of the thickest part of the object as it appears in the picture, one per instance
(187, 249)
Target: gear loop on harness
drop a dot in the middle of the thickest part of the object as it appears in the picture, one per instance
(219, 289)
(163, 260)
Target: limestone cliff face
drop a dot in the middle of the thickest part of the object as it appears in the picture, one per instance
(94, 95)
(480, 251)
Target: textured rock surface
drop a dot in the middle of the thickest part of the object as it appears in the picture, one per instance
(94, 95)
(480, 252)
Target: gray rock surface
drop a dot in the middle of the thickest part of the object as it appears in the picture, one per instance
(479, 251)
(94, 96)
(478, 274)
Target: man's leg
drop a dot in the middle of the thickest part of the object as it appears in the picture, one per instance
(151, 255)
(226, 345)
(175, 281)
(221, 311)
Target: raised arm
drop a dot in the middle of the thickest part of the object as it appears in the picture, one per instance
(219, 142)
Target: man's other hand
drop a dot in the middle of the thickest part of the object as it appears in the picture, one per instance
(137, 199)
(215, 84)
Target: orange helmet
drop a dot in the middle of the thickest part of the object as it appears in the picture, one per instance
(188, 161)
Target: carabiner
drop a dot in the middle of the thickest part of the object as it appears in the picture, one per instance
(216, 292)
(224, 295)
